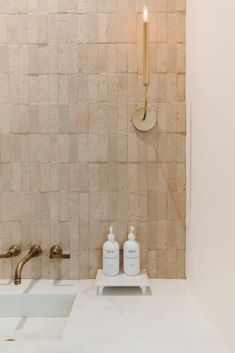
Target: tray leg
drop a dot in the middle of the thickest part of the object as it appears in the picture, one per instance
(143, 288)
(100, 290)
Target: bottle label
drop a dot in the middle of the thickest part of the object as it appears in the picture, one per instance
(132, 253)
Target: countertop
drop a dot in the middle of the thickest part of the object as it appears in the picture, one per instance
(168, 320)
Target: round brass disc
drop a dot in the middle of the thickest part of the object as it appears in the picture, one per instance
(144, 124)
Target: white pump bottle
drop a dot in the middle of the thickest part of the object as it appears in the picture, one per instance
(131, 255)
(111, 255)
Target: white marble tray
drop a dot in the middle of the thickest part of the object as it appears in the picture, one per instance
(121, 280)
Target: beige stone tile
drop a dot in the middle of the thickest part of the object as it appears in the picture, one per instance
(73, 89)
(142, 233)
(98, 147)
(172, 145)
(97, 234)
(83, 118)
(83, 148)
(181, 177)
(98, 177)
(83, 235)
(181, 64)
(45, 177)
(160, 85)
(142, 213)
(3, 29)
(180, 235)
(98, 206)
(181, 147)
(15, 150)
(84, 206)
(181, 264)
(3, 59)
(171, 87)
(62, 89)
(63, 148)
(142, 180)
(42, 29)
(98, 118)
(35, 176)
(157, 206)
(5, 148)
(79, 177)
(162, 146)
(132, 147)
(176, 205)
(54, 148)
(161, 57)
(95, 262)
(74, 207)
(4, 88)
(123, 88)
(92, 89)
(162, 177)
(122, 57)
(123, 206)
(171, 271)
(181, 117)
(13, 59)
(84, 264)
(64, 206)
(112, 205)
(112, 176)
(54, 201)
(172, 26)
(67, 6)
(54, 177)
(73, 148)
(152, 263)
(85, 6)
(5, 119)
(9, 176)
(132, 177)
(181, 87)
(107, 5)
(152, 176)
(74, 236)
(63, 177)
(122, 176)
(133, 206)
(158, 28)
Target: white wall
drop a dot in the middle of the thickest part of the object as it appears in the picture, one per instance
(211, 158)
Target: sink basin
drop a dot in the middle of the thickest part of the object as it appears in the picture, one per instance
(34, 316)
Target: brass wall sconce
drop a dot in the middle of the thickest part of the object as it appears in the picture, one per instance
(144, 119)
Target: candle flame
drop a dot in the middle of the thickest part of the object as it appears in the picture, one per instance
(145, 14)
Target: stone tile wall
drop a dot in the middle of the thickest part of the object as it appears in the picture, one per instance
(71, 162)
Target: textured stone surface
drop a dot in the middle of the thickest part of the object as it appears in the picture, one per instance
(71, 162)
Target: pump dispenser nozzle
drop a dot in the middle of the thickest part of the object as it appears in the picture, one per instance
(131, 235)
(111, 236)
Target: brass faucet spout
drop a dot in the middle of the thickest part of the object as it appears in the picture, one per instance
(35, 250)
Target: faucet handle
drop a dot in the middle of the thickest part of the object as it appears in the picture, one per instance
(14, 250)
(56, 252)
(35, 250)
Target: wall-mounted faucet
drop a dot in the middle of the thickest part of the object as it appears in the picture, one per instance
(56, 252)
(14, 250)
(35, 250)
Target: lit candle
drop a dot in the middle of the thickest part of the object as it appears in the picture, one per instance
(146, 76)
